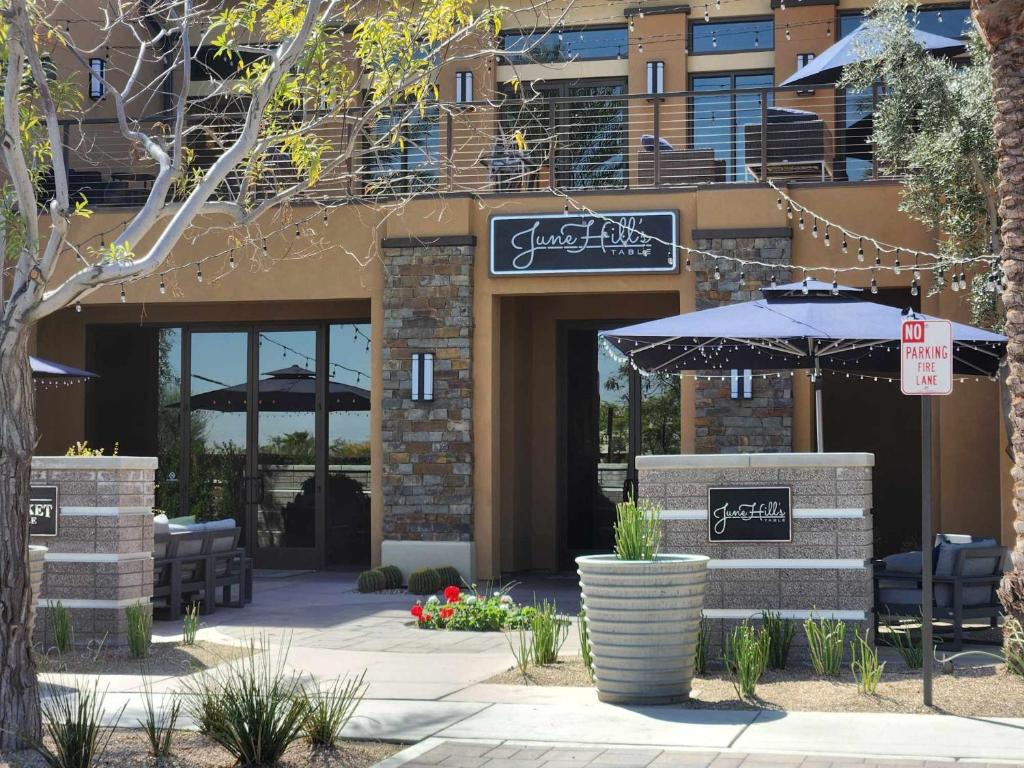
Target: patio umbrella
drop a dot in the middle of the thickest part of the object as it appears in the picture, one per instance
(859, 45)
(825, 328)
(288, 390)
(49, 371)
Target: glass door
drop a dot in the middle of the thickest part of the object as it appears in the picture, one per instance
(285, 514)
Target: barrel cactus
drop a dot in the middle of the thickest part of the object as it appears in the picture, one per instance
(371, 581)
(450, 576)
(424, 581)
(392, 575)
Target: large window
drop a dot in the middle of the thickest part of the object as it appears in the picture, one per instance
(565, 45)
(403, 151)
(719, 117)
(732, 36)
(948, 22)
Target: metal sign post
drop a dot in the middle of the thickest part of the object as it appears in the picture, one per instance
(926, 370)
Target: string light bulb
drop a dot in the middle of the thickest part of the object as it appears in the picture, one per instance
(789, 211)
(913, 287)
(199, 273)
(707, 15)
(778, 202)
(163, 286)
(896, 268)
(804, 289)
(814, 229)
(963, 281)
(640, 46)
(78, 307)
(743, 277)
(874, 285)
(845, 246)
(718, 272)
(773, 281)
(689, 265)
(231, 260)
(835, 284)
(860, 250)
(801, 222)
(714, 38)
(787, 32)
(124, 296)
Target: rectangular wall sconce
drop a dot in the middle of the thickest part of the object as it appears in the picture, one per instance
(97, 88)
(742, 384)
(655, 77)
(463, 87)
(423, 376)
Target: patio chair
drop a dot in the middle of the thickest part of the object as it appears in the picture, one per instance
(966, 570)
(225, 568)
(795, 145)
(676, 167)
(178, 569)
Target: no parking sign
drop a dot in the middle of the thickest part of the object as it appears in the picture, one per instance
(926, 357)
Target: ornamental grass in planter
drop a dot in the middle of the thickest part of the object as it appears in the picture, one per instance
(643, 611)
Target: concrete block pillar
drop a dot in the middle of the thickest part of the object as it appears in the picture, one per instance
(101, 559)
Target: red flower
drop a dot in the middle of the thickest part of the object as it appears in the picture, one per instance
(417, 610)
(446, 613)
(451, 594)
(426, 617)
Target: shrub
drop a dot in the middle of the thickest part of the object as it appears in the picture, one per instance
(637, 530)
(700, 661)
(140, 629)
(72, 718)
(81, 449)
(471, 612)
(826, 640)
(744, 657)
(549, 630)
(63, 628)
(1013, 646)
(371, 581)
(781, 632)
(449, 576)
(424, 581)
(328, 709)
(190, 624)
(158, 725)
(864, 664)
(586, 652)
(392, 576)
(253, 708)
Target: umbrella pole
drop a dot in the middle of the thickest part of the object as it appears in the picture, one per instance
(819, 426)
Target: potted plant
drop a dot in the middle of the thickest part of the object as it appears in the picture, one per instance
(643, 611)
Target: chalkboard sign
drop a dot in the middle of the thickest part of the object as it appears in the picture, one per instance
(42, 510)
(546, 244)
(749, 514)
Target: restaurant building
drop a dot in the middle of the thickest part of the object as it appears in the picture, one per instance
(426, 385)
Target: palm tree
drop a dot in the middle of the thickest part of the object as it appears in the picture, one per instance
(1001, 25)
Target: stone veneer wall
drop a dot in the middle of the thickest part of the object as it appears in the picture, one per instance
(765, 421)
(825, 568)
(102, 557)
(428, 450)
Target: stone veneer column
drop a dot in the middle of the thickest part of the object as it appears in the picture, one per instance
(765, 421)
(428, 448)
(102, 557)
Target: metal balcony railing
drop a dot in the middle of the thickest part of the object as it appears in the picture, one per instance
(517, 145)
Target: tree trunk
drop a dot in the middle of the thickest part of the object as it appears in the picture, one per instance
(19, 691)
(1001, 24)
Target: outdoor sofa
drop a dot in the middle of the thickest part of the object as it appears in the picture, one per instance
(676, 167)
(796, 145)
(194, 562)
(966, 572)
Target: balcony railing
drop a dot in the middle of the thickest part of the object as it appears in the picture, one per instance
(516, 145)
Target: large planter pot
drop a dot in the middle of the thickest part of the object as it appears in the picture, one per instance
(643, 617)
(36, 560)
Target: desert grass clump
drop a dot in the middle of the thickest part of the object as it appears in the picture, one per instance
(549, 630)
(586, 652)
(902, 640)
(826, 640)
(1013, 646)
(637, 530)
(329, 708)
(745, 657)
(867, 670)
(158, 723)
(521, 649)
(781, 632)
(140, 629)
(254, 708)
(700, 660)
(63, 628)
(73, 719)
(190, 624)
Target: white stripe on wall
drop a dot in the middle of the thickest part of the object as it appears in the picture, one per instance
(798, 514)
(90, 557)
(790, 562)
(83, 603)
(785, 613)
(104, 511)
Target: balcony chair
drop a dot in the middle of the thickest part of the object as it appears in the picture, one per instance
(677, 167)
(796, 145)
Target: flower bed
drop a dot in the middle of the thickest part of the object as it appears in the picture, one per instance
(471, 611)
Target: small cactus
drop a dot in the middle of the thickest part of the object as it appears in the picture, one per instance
(450, 576)
(392, 576)
(424, 581)
(371, 581)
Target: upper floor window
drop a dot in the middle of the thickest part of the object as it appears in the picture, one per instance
(948, 22)
(586, 44)
(732, 36)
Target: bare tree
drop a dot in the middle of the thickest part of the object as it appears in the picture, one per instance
(238, 108)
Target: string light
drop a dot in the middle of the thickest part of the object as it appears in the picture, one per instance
(163, 285)
(788, 37)
(231, 260)
(199, 273)
(124, 296)
(814, 229)
(707, 15)
(78, 307)
(896, 268)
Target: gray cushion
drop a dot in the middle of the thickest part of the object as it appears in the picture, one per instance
(976, 567)
(220, 525)
(899, 596)
(176, 528)
(903, 562)
(160, 524)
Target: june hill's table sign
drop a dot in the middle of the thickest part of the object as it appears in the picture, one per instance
(42, 510)
(749, 514)
(546, 244)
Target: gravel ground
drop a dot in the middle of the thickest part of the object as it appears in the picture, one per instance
(190, 750)
(164, 659)
(979, 691)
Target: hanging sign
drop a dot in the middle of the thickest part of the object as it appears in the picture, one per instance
(926, 357)
(549, 244)
(42, 510)
(744, 513)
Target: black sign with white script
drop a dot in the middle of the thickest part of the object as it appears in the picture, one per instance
(548, 244)
(749, 514)
(42, 510)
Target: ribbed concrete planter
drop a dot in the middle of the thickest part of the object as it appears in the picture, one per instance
(36, 560)
(643, 618)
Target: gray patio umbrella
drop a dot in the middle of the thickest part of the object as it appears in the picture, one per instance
(288, 390)
(825, 329)
(49, 371)
(826, 68)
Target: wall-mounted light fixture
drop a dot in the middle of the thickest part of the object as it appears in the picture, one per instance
(97, 88)
(423, 376)
(463, 87)
(742, 383)
(655, 77)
